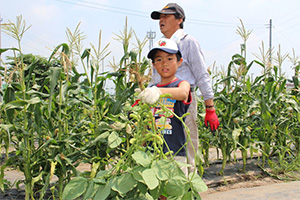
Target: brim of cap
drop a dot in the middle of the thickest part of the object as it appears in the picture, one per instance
(151, 53)
(155, 14)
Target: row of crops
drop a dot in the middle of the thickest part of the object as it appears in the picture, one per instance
(53, 118)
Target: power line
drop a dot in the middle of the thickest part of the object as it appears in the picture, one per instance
(109, 10)
(120, 10)
(286, 37)
(114, 7)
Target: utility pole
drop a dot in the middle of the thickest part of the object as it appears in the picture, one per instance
(151, 35)
(270, 42)
(0, 59)
(0, 33)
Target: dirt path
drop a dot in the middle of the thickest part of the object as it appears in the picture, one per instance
(269, 191)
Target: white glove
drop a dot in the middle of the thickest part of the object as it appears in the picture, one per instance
(150, 95)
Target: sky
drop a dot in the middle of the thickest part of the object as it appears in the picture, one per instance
(213, 23)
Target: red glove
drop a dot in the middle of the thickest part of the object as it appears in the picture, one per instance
(211, 118)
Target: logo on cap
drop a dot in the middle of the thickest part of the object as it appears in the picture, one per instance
(162, 43)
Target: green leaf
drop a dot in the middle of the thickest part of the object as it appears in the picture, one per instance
(142, 158)
(177, 185)
(235, 134)
(157, 191)
(54, 77)
(114, 140)
(99, 180)
(198, 184)
(17, 104)
(124, 183)
(75, 188)
(102, 192)
(142, 187)
(187, 196)
(6, 127)
(150, 178)
(91, 190)
(86, 54)
(162, 169)
(65, 49)
(6, 49)
(101, 138)
(9, 94)
(34, 100)
(137, 174)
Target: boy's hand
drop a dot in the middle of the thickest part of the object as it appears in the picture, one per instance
(150, 95)
(211, 118)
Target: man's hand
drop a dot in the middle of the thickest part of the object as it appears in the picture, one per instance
(150, 95)
(211, 118)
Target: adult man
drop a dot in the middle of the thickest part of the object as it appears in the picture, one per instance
(192, 69)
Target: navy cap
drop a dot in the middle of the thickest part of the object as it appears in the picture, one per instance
(171, 8)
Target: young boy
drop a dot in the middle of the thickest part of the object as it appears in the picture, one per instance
(166, 58)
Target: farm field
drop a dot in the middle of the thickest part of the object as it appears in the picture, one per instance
(69, 138)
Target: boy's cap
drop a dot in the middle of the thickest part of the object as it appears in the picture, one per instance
(171, 8)
(166, 45)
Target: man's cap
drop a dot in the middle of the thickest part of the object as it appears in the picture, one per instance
(171, 8)
(166, 45)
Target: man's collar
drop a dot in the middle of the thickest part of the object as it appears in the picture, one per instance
(178, 35)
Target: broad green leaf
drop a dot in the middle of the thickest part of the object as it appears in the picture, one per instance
(198, 184)
(114, 140)
(157, 191)
(100, 177)
(34, 100)
(150, 178)
(137, 174)
(75, 188)
(148, 196)
(182, 164)
(177, 185)
(102, 192)
(142, 158)
(124, 183)
(15, 104)
(187, 196)
(142, 187)
(117, 126)
(102, 173)
(197, 196)
(101, 138)
(99, 180)
(162, 169)
(91, 190)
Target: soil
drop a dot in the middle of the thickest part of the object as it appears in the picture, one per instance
(254, 183)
